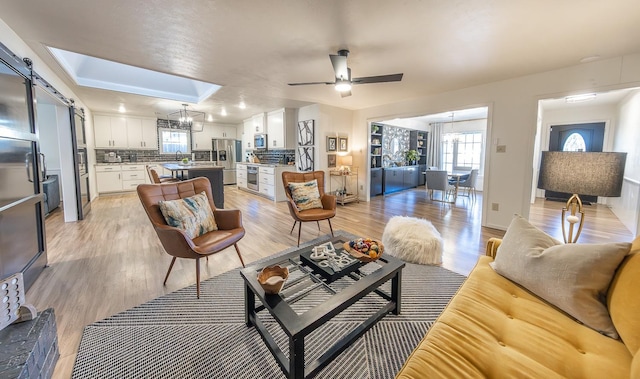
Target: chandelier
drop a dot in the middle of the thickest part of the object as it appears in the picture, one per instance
(188, 118)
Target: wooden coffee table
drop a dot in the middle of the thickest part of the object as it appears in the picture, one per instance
(337, 293)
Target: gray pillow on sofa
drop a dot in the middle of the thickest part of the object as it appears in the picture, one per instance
(573, 277)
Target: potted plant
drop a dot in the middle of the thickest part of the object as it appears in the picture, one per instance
(411, 156)
(374, 129)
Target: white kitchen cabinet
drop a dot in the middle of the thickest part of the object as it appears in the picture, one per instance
(132, 175)
(110, 132)
(142, 134)
(202, 140)
(269, 180)
(241, 176)
(247, 135)
(109, 178)
(281, 129)
(258, 123)
(119, 178)
(223, 131)
(150, 134)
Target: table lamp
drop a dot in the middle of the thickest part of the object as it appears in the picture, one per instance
(585, 173)
(345, 162)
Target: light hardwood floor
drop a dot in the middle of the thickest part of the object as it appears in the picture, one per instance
(113, 260)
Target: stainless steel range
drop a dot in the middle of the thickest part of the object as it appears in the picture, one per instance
(252, 177)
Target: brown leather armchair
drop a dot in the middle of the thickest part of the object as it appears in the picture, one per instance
(174, 240)
(328, 209)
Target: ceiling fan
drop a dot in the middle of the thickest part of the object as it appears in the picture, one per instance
(344, 81)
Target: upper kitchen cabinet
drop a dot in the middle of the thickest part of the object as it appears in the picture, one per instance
(281, 129)
(201, 140)
(258, 123)
(247, 134)
(224, 131)
(142, 134)
(110, 132)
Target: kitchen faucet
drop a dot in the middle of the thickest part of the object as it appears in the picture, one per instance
(178, 152)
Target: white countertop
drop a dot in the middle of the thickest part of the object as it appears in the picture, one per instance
(266, 164)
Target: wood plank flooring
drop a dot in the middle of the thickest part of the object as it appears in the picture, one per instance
(113, 260)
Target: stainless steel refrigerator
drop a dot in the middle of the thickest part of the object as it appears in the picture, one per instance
(224, 154)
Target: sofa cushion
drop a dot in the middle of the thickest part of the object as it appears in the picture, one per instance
(574, 277)
(306, 195)
(624, 302)
(192, 214)
(493, 328)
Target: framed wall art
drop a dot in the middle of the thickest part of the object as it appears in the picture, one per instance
(343, 144)
(305, 133)
(305, 159)
(331, 160)
(332, 143)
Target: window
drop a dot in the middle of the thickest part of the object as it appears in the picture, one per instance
(462, 151)
(575, 142)
(174, 140)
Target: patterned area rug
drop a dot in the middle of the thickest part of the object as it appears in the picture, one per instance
(179, 336)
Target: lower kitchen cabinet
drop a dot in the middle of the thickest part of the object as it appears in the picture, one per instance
(269, 180)
(109, 180)
(119, 178)
(400, 178)
(376, 182)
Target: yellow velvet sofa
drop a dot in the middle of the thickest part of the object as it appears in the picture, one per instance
(493, 328)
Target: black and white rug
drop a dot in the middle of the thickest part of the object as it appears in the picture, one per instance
(179, 336)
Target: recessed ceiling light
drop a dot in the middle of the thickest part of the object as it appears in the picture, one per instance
(210, 118)
(223, 112)
(580, 98)
(242, 105)
(122, 109)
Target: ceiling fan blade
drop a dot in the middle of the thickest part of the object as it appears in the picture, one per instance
(310, 83)
(345, 93)
(377, 79)
(339, 63)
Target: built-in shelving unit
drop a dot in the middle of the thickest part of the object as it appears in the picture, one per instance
(376, 145)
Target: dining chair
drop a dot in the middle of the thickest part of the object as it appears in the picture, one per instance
(469, 184)
(175, 241)
(438, 180)
(325, 211)
(157, 179)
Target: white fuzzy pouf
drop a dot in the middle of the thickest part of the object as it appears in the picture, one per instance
(413, 240)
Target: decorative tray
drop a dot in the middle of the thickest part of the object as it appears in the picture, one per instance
(343, 263)
(364, 249)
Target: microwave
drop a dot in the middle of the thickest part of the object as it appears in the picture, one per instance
(260, 141)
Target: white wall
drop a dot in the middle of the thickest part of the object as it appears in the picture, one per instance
(512, 122)
(627, 136)
(331, 122)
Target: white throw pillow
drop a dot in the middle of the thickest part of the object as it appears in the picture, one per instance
(573, 277)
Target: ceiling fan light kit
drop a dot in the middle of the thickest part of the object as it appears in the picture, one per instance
(343, 80)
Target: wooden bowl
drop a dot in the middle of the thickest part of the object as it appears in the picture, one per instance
(364, 257)
(272, 279)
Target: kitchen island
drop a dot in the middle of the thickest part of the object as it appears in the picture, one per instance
(207, 170)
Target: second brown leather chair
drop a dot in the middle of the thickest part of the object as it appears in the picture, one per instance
(328, 209)
(174, 240)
